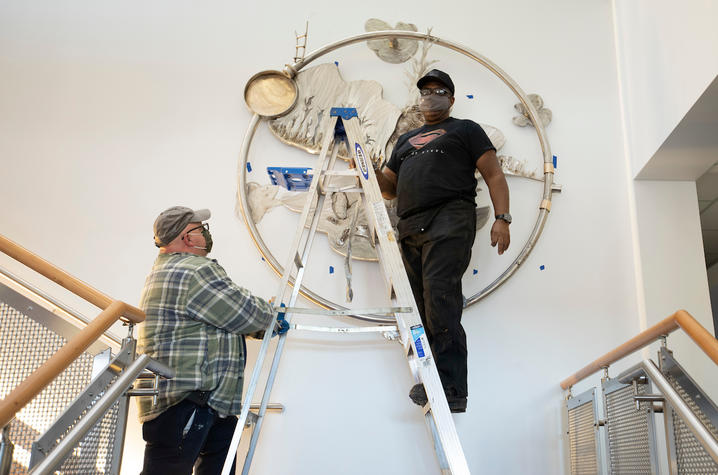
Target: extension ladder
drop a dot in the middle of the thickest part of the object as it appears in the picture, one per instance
(344, 126)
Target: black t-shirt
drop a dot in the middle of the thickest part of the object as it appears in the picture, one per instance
(436, 164)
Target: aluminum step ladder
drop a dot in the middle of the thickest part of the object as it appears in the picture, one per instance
(344, 127)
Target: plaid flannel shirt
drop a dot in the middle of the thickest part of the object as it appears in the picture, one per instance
(196, 322)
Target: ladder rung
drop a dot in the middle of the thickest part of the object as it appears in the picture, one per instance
(345, 189)
(346, 311)
(351, 172)
(312, 328)
(272, 406)
(253, 417)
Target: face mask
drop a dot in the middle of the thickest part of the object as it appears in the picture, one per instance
(207, 239)
(434, 103)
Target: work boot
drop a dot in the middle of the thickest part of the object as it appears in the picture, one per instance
(417, 394)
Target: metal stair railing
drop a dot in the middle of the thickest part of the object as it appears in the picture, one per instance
(630, 409)
(78, 426)
(30, 387)
(58, 308)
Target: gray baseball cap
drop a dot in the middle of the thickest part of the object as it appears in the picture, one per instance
(170, 223)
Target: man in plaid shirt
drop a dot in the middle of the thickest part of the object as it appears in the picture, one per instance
(196, 322)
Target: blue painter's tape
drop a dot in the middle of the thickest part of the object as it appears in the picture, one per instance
(542, 267)
(476, 271)
(470, 96)
(555, 161)
(336, 63)
(417, 331)
(331, 269)
(249, 167)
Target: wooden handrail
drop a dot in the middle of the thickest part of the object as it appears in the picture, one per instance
(680, 319)
(62, 278)
(57, 363)
(41, 377)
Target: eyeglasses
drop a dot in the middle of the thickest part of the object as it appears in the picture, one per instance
(201, 226)
(438, 92)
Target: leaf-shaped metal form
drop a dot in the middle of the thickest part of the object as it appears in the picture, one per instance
(391, 50)
(544, 115)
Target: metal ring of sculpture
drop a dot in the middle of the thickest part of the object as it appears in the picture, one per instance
(545, 205)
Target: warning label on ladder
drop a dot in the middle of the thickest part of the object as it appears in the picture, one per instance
(419, 337)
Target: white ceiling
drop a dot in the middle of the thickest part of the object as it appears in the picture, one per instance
(692, 148)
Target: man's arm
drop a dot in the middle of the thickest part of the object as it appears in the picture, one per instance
(488, 166)
(387, 182)
(214, 299)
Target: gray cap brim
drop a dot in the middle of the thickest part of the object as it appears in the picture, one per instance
(200, 215)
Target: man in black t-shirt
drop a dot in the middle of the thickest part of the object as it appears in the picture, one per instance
(432, 171)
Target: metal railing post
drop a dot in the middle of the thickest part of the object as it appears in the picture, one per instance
(6, 451)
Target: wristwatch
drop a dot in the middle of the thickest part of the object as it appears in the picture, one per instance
(504, 217)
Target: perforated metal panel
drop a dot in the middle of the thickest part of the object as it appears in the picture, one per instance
(629, 432)
(24, 345)
(582, 434)
(94, 452)
(689, 455)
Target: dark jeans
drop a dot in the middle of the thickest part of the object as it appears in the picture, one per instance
(173, 448)
(435, 261)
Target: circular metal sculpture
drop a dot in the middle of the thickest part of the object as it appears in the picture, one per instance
(533, 116)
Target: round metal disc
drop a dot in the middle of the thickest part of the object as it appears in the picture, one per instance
(270, 94)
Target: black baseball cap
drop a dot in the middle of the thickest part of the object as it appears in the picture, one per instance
(436, 75)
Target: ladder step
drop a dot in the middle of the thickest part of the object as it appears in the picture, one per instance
(343, 189)
(272, 407)
(377, 329)
(346, 311)
(350, 172)
(253, 417)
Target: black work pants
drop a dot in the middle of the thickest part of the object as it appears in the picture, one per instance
(186, 437)
(435, 260)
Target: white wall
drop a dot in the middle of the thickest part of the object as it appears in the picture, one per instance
(666, 59)
(667, 56)
(674, 273)
(112, 112)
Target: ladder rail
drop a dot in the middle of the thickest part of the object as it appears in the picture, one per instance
(291, 262)
(424, 370)
(292, 301)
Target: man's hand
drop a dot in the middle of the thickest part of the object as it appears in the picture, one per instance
(490, 169)
(500, 235)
